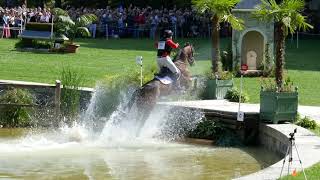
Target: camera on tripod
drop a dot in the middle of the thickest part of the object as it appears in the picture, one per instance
(289, 154)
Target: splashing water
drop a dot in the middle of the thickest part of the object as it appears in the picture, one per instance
(103, 123)
(163, 124)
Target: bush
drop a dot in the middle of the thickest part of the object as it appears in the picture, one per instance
(38, 26)
(70, 94)
(267, 65)
(221, 75)
(234, 94)
(307, 123)
(270, 85)
(36, 44)
(226, 58)
(12, 115)
(207, 129)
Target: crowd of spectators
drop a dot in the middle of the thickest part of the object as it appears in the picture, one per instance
(144, 22)
(11, 20)
(123, 22)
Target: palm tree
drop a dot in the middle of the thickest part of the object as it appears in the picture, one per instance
(287, 17)
(64, 25)
(221, 12)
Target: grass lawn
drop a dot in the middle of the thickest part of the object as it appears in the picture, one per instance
(100, 58)
(311, 173)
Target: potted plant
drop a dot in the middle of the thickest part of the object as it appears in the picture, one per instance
(221, 12)
(278, 105)
(217, 87)
(64, 25)
(279, 102)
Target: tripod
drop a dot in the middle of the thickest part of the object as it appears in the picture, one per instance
(289, 154)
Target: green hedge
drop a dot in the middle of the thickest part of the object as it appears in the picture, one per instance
(38, 26)
(12, 114)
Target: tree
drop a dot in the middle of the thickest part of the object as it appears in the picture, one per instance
(221, 12)
(287, 17)
(64, 25)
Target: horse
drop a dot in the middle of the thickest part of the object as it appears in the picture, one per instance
(146, 97)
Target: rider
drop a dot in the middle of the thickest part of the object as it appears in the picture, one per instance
(165, 46)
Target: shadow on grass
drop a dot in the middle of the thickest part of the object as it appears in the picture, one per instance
(38, 51)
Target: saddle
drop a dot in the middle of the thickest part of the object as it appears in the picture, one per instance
(165, 76)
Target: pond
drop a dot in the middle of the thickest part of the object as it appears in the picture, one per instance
(43, 154)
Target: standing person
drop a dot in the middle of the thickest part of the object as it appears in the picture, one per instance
(165, 46)
(6, 26)
(153, 26)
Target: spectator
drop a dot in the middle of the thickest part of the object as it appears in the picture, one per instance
(6, 26)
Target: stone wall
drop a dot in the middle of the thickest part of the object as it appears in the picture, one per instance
(272, 139)
(45, 93)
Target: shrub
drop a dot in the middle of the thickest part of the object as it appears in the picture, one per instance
(307, 123)
(234, 94)
(37, 44)
(207, 129)
(226, 58)
(70, 94)
(221, 75)
(268, 84)
(38, 26)
(15, 115)
(267, 65)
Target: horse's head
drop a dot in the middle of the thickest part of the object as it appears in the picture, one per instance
(188, 50)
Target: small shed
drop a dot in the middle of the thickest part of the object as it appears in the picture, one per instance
(251, 45)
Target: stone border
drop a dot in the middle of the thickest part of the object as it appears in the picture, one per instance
(275, 138)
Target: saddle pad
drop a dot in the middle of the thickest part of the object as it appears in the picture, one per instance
(165, 80)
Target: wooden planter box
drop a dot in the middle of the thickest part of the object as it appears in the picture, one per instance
(217, 89)
(72, 48)
(278, 106)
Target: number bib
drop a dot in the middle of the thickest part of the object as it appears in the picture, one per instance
(161, 45)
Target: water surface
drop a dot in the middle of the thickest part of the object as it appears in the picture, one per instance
(58, 155)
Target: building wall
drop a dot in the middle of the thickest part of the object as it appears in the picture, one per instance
(251, 24)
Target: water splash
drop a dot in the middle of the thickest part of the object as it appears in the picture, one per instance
(164, 123)
(103, 124)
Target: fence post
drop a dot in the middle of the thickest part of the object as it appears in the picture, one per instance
(21, 28)
(57, 98)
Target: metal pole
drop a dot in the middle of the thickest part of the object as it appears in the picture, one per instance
(141, 76)
(240, 92)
